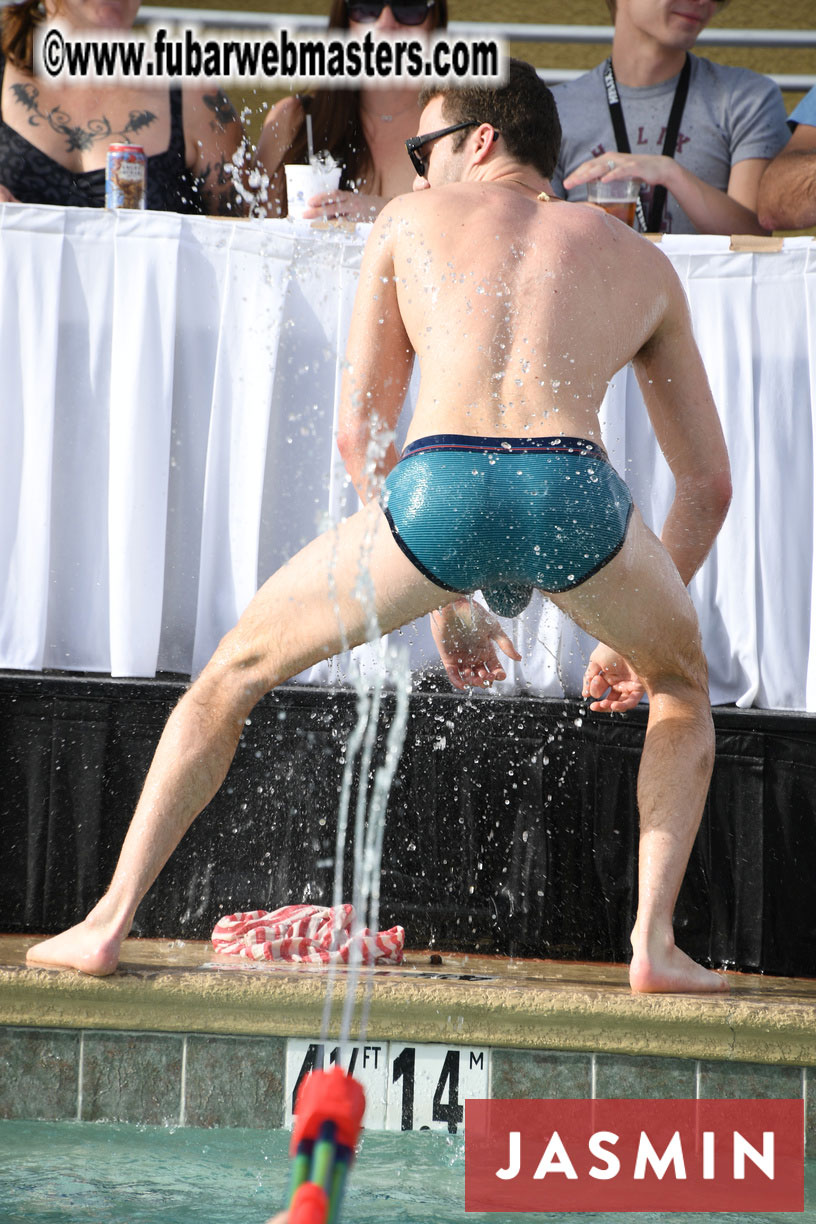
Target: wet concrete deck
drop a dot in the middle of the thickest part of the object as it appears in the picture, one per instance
(473, 1000)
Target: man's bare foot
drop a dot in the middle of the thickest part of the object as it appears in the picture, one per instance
(84, 947)
(673, 972)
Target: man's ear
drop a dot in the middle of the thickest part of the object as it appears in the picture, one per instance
(484, 138)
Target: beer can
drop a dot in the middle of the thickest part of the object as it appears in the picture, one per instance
(125, 177)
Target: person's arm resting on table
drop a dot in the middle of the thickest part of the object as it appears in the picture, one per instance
(787, 193)
(710, 210)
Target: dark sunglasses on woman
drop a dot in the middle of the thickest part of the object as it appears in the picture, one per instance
(364, 12)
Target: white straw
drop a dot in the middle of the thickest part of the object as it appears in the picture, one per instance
(309, 138)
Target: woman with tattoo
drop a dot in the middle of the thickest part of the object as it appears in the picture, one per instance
(54, 138)
(365, 130)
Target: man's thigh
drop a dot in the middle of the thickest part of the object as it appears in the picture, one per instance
(348, 586)
(638, 606)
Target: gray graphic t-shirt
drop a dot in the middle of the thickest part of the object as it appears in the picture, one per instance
(731, 114)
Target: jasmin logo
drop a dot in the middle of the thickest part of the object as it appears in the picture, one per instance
(625, 1155)
(672, 1161)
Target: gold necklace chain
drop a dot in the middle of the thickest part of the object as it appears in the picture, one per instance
(541, 196)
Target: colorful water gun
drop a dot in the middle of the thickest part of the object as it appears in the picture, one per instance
(328, 1115)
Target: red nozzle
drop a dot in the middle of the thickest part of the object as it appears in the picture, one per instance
(309, 1206)
(329, 1096)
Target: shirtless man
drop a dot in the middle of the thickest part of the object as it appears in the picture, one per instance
(520, 309)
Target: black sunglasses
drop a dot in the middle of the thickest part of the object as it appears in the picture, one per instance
(366, 11)
(414, 143)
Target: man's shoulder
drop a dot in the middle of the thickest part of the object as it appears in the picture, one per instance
(576, 92)
(417, 205)
(730, 79)
(404, 216)
(745, 105)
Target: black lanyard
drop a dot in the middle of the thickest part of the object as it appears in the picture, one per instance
(669, 144)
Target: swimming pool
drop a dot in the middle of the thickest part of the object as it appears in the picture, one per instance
(101, 1173)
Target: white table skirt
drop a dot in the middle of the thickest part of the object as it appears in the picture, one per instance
(168, 400)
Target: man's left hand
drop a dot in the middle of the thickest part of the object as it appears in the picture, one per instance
(611, 682)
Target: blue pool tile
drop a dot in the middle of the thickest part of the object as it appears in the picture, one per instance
(722, 1080)
(810, 1113)
(639, 1076)
(548, 1074)
(234, 1081)
(39, 1073)
(132, 1077)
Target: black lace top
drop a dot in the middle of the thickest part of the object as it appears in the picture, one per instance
(35, 178)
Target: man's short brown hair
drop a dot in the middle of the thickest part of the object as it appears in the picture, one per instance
(523, 111)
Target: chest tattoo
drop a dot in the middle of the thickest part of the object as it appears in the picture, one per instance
(79, 137)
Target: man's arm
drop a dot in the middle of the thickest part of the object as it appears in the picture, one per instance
(675, 388)
(379, 359)
(787, 193)
(710, 210)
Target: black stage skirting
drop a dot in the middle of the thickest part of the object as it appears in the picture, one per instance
(511, 825)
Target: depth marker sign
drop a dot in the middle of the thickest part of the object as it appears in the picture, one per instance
(623, 1155)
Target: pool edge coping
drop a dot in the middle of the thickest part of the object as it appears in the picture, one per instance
(493, 1013)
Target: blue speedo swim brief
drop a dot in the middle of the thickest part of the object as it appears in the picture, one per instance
(505, 515)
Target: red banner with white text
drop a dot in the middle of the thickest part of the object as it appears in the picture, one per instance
(634, 1155)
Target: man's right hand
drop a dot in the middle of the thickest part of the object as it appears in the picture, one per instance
(466, 637)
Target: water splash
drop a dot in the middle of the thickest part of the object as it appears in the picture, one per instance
(369, 825)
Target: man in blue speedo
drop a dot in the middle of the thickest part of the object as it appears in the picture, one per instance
(520, 309)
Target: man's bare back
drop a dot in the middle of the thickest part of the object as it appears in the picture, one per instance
(519, 332)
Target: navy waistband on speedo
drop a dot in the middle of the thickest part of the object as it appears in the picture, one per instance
(512, 446)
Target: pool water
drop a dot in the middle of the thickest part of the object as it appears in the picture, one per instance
(99, 1173)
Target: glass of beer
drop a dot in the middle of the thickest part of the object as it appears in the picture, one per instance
(618, 198)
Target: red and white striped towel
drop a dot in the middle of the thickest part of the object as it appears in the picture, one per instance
(304, 933)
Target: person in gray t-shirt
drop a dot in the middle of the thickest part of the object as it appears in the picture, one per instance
(732, 124)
